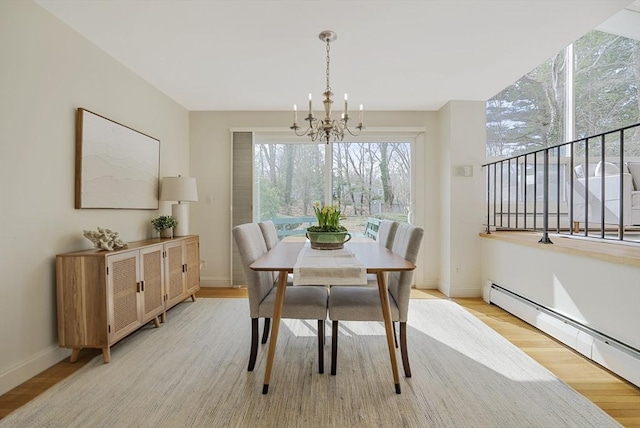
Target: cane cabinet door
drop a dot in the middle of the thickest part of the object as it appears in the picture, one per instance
(123, 282)
(152, 283)
(174, 277)
(192, 253)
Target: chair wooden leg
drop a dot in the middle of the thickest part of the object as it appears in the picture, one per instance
(403, 349)
(321, 346)
(265, 331)
(254, 344)
(334, 347)
(395, 336)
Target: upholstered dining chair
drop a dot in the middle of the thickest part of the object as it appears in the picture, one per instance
(386, 233)
(301, 302)
(348, 303)
(269, 233)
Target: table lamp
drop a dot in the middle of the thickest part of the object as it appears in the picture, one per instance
(180, 189)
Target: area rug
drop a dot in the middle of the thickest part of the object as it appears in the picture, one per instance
(192, 372)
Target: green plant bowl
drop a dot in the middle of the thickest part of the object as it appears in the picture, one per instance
(328, 240)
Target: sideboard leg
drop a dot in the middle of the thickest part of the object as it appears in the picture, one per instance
(156, 322)
(106, 354)
(74, 355)
(163, 317)
(193, 297)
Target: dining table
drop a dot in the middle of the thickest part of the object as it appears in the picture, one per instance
(377, 260)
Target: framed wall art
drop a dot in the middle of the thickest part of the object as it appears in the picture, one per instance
(116, 166)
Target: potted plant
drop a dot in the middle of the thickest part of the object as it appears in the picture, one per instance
(328, 235)
(164, 224)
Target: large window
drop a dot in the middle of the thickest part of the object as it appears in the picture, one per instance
(363, 178)
(607, 83)
(602, 82)
(528, 114)
(288, 179)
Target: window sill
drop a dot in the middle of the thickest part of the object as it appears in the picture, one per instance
(619, 253)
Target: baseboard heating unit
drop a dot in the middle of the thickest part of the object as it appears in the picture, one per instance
(620, 358)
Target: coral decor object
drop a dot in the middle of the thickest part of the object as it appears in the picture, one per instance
(105, 239)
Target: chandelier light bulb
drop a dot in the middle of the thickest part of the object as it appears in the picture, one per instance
(345, 107)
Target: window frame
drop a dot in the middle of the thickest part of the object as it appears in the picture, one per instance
(413, 136)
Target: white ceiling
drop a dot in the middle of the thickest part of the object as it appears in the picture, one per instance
(389, 55)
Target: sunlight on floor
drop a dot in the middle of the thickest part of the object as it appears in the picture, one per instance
(473, 341)
(301, 328)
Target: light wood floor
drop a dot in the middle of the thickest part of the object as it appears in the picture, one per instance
(615, 396)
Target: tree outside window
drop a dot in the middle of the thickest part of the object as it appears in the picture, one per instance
(529, 114)
(368, 179)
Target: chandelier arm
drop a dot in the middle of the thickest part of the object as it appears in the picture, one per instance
(295, 130)
(354, 134)
(313, 122)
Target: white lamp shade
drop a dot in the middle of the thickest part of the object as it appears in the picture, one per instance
(181, 189)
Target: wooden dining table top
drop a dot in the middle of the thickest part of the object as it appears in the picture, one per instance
(376, 258)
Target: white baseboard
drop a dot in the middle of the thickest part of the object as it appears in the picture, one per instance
(616, 361)
(213, 281)
(465, 292)
(427, 285)
(622, 363)
(24, 371)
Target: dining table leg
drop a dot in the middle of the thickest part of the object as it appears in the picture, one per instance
(386, 314)
(277, 313)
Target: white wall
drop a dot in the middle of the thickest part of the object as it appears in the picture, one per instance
(603, 295)
(47, 71)
(210, 163)
(462, 134)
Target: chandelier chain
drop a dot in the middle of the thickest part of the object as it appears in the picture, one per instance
(328, 63)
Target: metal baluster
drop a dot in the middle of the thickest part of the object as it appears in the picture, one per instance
(545, 201)
(517, 188)
(586, 187)
(525, 192)
(509, 193)
(571, 169)
(488, 197)
(602, 183)
(501, 193)
(558, 193)
(621, 190)
(495, 192)
(535, 191)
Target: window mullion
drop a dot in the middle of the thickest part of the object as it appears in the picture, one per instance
(328, 174)
(569, 97)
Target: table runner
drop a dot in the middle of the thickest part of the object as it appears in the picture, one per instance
(328, 267)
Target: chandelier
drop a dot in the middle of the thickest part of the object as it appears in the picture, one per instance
(327, 129)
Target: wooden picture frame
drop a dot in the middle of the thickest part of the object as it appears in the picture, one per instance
(116, 166)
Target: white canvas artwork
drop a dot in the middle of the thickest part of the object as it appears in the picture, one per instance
(118, 166)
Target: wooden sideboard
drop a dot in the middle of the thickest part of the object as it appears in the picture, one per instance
(103, 296)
